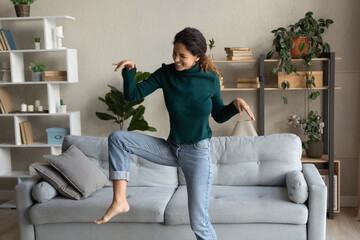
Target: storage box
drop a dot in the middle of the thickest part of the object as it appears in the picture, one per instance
(51, 76)
(57, 135)
(300, 81)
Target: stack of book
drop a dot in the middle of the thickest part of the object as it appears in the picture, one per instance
(6, 40)
(252, 82)
(6, 104)
(238, 53)
(26, 132)
(221, 83)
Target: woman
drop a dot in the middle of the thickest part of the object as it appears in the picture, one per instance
(192, 92)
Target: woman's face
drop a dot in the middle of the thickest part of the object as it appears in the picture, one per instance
(183, 58)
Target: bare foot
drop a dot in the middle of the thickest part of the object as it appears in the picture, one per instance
(114, 209)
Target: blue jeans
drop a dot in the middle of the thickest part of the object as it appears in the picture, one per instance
(193, 159)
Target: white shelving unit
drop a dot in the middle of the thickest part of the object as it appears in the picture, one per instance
(17, 69)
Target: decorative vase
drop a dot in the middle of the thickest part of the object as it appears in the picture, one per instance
(315, 148)
(22, 10)
(37, 76)
(295, 47)
(211, 55)
(62, 109)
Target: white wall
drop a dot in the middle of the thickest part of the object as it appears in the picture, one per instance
(143, 30)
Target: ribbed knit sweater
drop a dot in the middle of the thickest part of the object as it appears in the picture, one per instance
(190, 96)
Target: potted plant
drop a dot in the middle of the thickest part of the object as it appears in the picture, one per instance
(124, 110)
(312, 128)
(211, 46)
(22, 7)
(62, 107)
(300, 40)
(37, 71)
(37, 42)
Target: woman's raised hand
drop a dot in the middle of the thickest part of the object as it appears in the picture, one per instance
(128, 64)
(241, 105)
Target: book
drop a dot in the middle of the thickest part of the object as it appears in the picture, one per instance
(28, 133)
(248, 80)
(1, 45)
(3, 38)
(2, 41)
(9, 39)
(237, 49)
(239, 58)
(2, 110)
(22, 133)
(6, 101)
(248, 85)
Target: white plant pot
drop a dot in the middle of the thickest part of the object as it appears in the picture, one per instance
(37, 45)
(62, 109)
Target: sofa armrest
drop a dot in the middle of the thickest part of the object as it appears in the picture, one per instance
(317, 203)
(23, 203)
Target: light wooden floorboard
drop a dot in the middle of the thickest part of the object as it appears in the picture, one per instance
(344, 226)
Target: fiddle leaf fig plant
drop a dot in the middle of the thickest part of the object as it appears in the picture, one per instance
(121, 110)
(283, 42)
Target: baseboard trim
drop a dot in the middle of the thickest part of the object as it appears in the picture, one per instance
(349, 201)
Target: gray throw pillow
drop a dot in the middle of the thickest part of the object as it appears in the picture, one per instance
(78, 170)
(297, 187)
(43, 192)
(57, 181)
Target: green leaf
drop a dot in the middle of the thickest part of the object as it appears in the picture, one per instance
(140, 76)
(270, 54)
(105, 116)
(283, 85)
(285, 100)
(273, 71)
(314, 95)
(301, 46)
(287, 84)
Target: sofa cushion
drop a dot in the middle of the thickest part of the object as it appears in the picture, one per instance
(241, 204)
(147, 205)
(53, 177)
(250, 161)
(297, 187)
(143, 173)
(81, 173)
(43, 192)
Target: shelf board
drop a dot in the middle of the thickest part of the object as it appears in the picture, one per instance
(239, 89)
(298, 89)
(300, 60)
(15, 174)
(33, 145)
(37, 114)
(33, 18)
(8, 205)
(36, 50)
(34, 83)
(237, 61)
(323, 159)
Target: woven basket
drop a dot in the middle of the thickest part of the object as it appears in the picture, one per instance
(22, 10)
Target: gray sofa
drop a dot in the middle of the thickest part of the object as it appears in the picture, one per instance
(249, 197)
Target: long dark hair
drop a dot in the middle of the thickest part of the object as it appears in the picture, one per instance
(195, 43)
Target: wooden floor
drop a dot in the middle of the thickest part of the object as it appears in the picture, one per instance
(343, 227)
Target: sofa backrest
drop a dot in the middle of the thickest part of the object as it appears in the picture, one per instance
(142, 173)
(249, 161)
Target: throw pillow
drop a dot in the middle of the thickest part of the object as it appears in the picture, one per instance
(297, 187)
(43, 192)
(57, 181)
(80, 172)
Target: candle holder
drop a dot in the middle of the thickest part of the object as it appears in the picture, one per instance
(59, 35)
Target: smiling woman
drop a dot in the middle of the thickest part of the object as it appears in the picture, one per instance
(191, 91)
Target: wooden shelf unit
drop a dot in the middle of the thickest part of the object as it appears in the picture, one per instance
(328, 68)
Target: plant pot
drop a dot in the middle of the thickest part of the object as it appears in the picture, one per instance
(62, 109)
(37, 45)
(22, 10)
(315, 148)
(295, 49)
(37, 76)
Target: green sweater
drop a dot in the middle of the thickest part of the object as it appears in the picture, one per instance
(190, 96)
